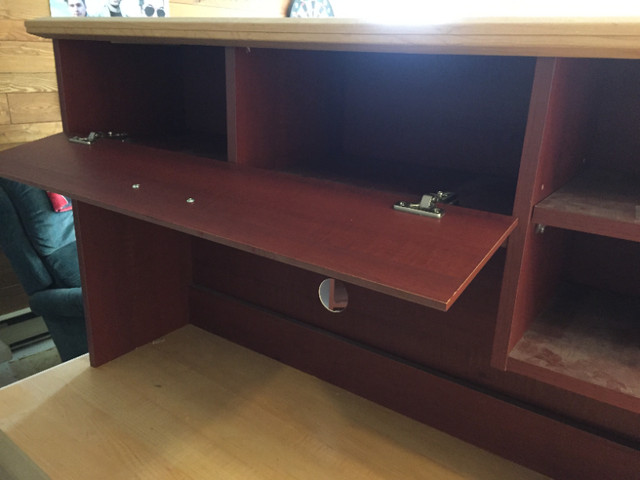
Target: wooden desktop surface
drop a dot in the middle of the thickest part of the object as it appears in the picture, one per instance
(613, 33)
(193, 406)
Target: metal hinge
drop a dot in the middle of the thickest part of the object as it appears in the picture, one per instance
(429, 204)
(94, 136)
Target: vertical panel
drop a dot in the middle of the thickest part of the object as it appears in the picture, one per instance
(287, 106)
(555, 144)
(135, 277)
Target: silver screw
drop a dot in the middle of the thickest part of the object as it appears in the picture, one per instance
(135, 186)
(191, 200)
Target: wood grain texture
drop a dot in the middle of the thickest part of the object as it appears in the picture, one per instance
(134, 279)
(602, 202)
(5, 117)
(28, 132)
(547, 445)
(192, 405)
(532, 146)
(26, 66)
(26, 57)
(454, 342)
(352, 234)
(33, 107)
(335, 230)
(22, 10)
(13, 30)
(616, 37)
(277, 122)
(35, 82)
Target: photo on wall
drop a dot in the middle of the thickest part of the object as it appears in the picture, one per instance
(109, 8)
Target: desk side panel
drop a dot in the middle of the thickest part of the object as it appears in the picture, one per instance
(135, 277)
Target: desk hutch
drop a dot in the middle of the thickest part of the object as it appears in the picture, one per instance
(265, 156)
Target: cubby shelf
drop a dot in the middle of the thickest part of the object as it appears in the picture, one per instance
(587, 341)
(603, 202)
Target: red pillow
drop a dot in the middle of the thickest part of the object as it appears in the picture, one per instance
(60, 203)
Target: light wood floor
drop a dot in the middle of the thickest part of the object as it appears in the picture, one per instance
(194, 406)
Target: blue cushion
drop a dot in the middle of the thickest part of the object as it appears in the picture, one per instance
(50, 234)
(29, 268)
(64, 266)
(46, 229)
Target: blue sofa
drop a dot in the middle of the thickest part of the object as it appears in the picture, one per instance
(41, 246)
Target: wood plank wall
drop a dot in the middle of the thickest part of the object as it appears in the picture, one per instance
(29, 107)
(28, 93)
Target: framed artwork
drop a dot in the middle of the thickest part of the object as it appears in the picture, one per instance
(109, 8)
(311, 9)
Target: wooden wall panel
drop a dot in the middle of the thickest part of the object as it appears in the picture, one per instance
(12, 10)
(5, 118)
(13, 30)
(26, 57)
(14, 82)
(27, 132)
(33, 107)
(29, 107)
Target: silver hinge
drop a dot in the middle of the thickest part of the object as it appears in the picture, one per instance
(429, 205)
(94, 136)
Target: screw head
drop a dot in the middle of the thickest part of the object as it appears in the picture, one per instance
(191, 200)
(135, 186)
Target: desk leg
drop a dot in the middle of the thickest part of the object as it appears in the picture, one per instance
(135, 276)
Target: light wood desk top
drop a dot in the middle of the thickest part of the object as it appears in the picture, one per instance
(195, 406)
(614, 35)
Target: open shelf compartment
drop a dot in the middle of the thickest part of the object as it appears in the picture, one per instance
(408, 123)
(576, 302)
(598, 201)
(586, 338)
(170, 96)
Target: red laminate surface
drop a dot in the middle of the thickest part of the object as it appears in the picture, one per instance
(335, 229)
(602, 202)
